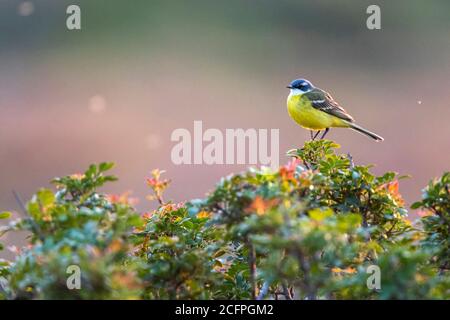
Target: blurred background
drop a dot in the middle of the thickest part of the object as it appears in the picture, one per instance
(115, 90)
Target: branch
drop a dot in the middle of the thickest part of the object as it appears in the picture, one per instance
(287, 293)
(252, 266)
(304, 265)
(264, 290)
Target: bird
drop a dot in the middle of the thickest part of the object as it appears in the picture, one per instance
(315, 109)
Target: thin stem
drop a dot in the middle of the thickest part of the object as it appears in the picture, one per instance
(350, 159)
(264, 290)
(304, 266)
(252, 267)
(28, 217)
(287, 293)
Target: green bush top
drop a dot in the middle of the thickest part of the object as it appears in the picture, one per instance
(314, 229)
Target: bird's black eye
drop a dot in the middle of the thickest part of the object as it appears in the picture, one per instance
(303, 86)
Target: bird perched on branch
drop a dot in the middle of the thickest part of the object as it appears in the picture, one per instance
(315, 109)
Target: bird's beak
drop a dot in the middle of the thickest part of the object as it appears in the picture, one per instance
(289, 87)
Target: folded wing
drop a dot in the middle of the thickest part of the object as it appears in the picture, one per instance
(323, 101)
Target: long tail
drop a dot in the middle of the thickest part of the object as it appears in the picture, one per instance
(365, 131)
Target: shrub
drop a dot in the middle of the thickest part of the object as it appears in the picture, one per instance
(74, 226)
(435, 207)
(309, 230)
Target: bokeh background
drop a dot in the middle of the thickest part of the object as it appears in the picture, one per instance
(139, 69)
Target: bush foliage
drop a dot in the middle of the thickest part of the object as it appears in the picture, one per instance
(311, 230)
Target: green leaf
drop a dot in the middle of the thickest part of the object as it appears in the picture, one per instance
(91, 171)
(416, 205)
(319, 214)
(5, 215)
(105, 166)
(46, 197)
(110, 179)
(219, 253)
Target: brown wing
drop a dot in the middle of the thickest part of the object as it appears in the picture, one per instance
(323, 101)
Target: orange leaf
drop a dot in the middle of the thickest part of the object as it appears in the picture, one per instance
(203, 214)
(260, 205)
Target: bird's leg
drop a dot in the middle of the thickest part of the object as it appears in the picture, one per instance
(311, 134)
(315, 136)
(325, 133)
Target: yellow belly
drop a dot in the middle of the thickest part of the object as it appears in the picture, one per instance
(308, 117)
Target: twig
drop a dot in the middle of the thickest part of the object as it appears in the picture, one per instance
(28, 217)
(264, 290)
(304, 265)
(20, 203)
(350, 158)
(306, 165)
(287, 292)
(388, 233)
(252, 266)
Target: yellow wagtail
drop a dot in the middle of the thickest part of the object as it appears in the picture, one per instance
(315, 109)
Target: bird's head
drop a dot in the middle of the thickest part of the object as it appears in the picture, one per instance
(300, 86)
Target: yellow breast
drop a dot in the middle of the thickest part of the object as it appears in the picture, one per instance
(301, 110)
